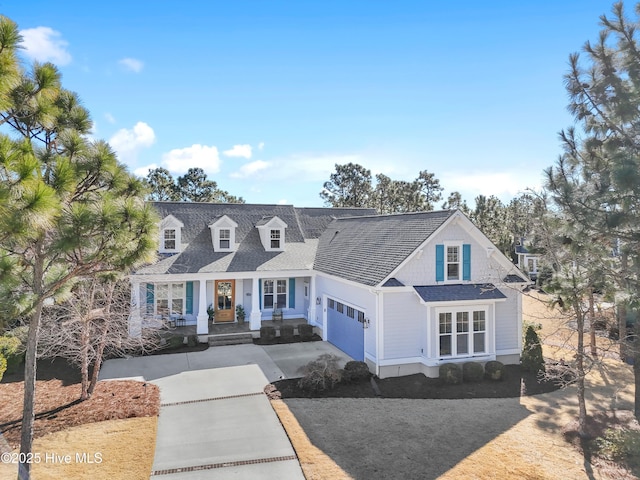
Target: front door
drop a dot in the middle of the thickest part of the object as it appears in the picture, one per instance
(225, 302)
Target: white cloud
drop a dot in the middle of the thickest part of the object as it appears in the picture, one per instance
(45, 45)
(143, 171)
(261, 146)
(129, 142)
(504, 185)
(110, 118)
(249, 169)
(179, 160)
(282, 201)
(243, 151)
(131, 64)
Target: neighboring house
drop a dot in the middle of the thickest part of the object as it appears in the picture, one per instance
(527, 261)
(404, 292)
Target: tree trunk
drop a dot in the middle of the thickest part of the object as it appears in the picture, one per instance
(29, 402)
(592, 325)
(582, 407)
(636, 369)
(622, 308)
(98, 361)
(84, 360)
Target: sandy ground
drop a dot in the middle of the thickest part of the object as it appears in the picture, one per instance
(469, 439)
(111, 450)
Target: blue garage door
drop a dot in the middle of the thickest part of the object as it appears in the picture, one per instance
(345, 328)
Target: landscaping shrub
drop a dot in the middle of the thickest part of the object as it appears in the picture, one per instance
(306, 332)
(11, 350)
(3, 366)
(321, 374)
(532, 360)
(192, 340)
(472, 372)
(267, 334)
(450, 373)
(620, 445)
(494, 370)
(355, 372)
(286, 333)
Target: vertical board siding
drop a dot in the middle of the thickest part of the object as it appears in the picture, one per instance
(466, 261)
(189, 298)
(439, 263)
(292, 292)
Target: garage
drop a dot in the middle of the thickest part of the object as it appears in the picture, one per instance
(345, 328)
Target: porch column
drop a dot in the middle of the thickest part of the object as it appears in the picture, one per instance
(311, 314)
(135, 319)
(202, 318)
(255, 320)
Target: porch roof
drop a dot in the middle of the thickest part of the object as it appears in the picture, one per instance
(452, 293)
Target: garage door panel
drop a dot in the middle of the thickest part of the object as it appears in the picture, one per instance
(344, 330)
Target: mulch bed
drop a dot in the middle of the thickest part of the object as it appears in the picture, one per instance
(280, 340)
(516, 384)
(57, 401)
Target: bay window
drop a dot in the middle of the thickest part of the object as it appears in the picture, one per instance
(462, 332)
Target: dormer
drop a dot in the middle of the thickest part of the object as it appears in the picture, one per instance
(170, 235)
(223, 234)
(272, 233)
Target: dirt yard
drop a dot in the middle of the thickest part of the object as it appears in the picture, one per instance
(469, 438)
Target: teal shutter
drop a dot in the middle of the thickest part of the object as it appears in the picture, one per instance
(439, 263)
(292, 292)
(466, 262)
(260, 293)
(150, 297)
(189, 297)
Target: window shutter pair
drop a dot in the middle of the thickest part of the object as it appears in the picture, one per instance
(466, 262)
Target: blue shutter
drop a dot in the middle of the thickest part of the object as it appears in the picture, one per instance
(260, 293)
(439, 263)
(190, 297)
(466, 262)
(292, 292)
(150, 297)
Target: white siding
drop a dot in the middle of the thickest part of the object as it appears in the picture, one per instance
(404, 318)
(358, 297)
(508, 321)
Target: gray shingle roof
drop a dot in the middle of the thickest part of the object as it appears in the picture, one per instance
(367, 249)
(449, 293)
(393, 282)
(198, 254)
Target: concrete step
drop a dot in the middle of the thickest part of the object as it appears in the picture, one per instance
(230, 339)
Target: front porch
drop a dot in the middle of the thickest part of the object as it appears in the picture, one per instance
(233, 328)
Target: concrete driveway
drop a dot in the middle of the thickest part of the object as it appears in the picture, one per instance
(215, 421)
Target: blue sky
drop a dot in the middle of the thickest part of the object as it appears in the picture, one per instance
(266, 96)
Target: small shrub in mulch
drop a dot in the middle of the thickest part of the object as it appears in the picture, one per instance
(286, 333)
(355, 371)
(306, 332)
(321, 374)
(494, 370)
(472, 372)
(267, 335)
(450, 373)
(532, 360)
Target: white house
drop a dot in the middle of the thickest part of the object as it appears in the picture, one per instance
(404, 292)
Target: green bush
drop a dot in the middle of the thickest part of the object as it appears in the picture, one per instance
(621, 445)
(11, 350)
(192, 340)
(305, 331)
(450, 373)
(355, 371)
(286, 333)
(321, 374)
(267, 334)
(3, 366)
(472, 372)
(532, 360)
(494, 370)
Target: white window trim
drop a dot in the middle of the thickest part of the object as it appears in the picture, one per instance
(224, 223)
(460, 261)
(488, 331)
(170, 223)
(170, 297)
(265, 234)
(275, 293)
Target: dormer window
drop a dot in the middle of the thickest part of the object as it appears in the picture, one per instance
(169, 239)
(272, 233)
(275, 239)
(170, 235)
(223, 234)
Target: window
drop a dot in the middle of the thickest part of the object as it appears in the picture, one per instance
(340, 307)
(170, 239)
(275, 238)
(351, 312)
(453, 263)
(462, 333)
(331, 304)
(274, 293)
(169, 299)
(225, 238)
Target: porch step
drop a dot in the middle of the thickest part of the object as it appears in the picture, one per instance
(230, 339)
